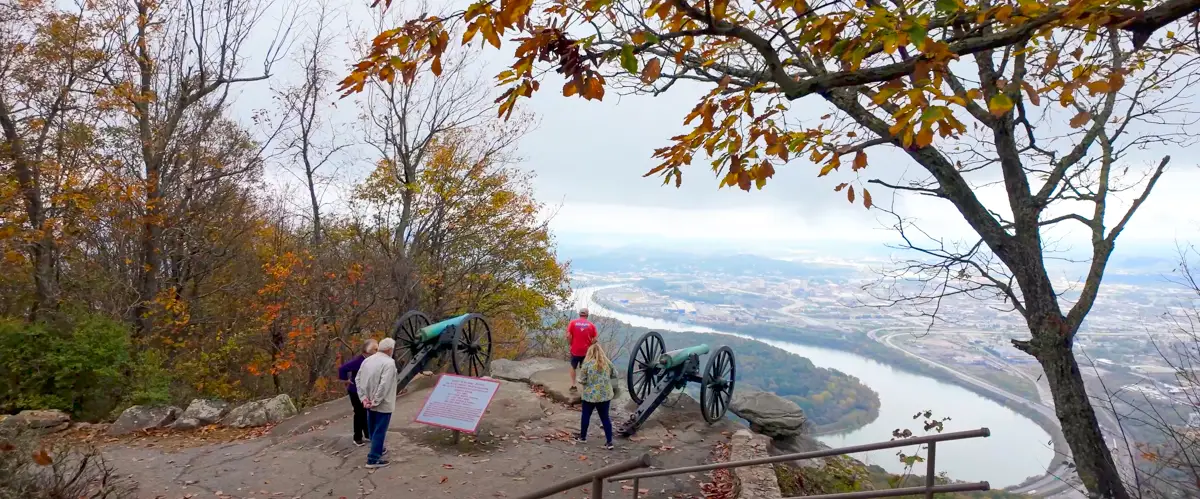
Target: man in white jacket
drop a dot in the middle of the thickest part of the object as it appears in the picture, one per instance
(376, 382)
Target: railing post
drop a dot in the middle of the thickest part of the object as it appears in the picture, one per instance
(598, 488)
(930, 472)
(635, 488)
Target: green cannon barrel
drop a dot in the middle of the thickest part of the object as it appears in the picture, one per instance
(676, 357)
(428, 333)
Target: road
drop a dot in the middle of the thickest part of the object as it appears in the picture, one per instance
(1053, 482)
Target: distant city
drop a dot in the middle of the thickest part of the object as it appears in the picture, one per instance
(1120, 348)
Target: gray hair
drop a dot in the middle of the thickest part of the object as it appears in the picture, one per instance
(370, 346)
(583, 312)
(387, 345)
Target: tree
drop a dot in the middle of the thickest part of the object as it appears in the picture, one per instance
(906, 75)
(48, 121)
(171, 78)
(477, 239)
(402, 117)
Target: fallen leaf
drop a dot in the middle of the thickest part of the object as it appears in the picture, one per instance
(42, 457)
(443, 480)
(582, 458)
(448, 466)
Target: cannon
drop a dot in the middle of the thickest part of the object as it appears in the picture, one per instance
(466, 338)
(654, 373)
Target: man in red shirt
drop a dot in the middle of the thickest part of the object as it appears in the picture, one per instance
(581, 333)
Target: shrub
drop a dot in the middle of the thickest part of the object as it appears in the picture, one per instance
(78, 366)
(150, 383)
(33, 469)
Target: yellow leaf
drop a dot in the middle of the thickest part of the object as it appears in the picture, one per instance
(1080, 119)
(1000, 104)
(1003, 13)
(925, 137)
(1097, 87)
(826, 169)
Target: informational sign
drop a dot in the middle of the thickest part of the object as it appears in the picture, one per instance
(458, 402)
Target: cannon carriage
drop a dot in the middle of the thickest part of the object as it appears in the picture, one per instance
(654, 373)
(465, 339)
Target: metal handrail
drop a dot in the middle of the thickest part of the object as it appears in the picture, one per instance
(596, 478)
(929, 489)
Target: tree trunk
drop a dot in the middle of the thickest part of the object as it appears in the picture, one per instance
(1093, 461)
(150, 253)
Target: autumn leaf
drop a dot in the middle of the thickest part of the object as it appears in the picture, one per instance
(1034, 98)
(850, 194)
(1080, 119)
(925, 137)
(1000, 104)
(652, 70)
(42, 458)
(867, 199)
(860, 161)
(443, 479)
(945, 6)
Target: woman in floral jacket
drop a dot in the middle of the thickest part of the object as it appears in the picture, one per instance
(595, 378)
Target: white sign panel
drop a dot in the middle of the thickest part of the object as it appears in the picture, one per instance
(458, 402)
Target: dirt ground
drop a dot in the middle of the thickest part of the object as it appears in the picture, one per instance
(523, 444)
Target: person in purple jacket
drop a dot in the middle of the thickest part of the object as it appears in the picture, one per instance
(346, 373)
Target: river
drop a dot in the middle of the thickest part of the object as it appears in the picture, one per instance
(1017, 449)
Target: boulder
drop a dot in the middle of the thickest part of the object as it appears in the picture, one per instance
(768, 414)
(205, 411)
(143, 417)
(261, 412)
(522, 370)
(186, 424)
(557, 385)
(38, 420)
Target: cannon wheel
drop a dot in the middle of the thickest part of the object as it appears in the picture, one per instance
(407, 336)
(716, 390)
(472, 355)
(643, 372)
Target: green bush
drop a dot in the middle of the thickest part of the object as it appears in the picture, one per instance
(150, 383)
(80, 366)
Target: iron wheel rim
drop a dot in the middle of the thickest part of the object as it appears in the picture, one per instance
(716, 391)
(407, 335)
(643, 372)
(472, 354)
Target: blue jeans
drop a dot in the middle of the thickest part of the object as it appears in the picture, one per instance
(602, 408)
(377, 427)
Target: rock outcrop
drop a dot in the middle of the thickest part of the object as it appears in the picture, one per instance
(143, 417)
(556, 383)
(45, 421)
(522, 370)
(261, 412)
(753, 482)
(768, 413)
(201, 412)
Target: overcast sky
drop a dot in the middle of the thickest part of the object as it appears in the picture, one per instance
(589, 158)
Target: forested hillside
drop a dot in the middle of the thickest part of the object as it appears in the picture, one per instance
(158, 244)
